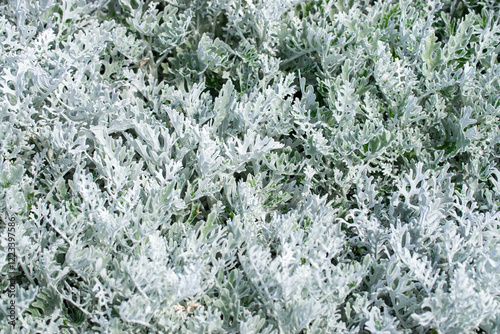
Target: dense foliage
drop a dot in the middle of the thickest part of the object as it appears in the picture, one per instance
(251, 166)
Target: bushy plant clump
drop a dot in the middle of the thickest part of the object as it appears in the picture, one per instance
(253, 166)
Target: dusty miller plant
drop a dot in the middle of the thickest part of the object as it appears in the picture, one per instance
(270, 166)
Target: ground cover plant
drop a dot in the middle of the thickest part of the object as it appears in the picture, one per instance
(250, 166)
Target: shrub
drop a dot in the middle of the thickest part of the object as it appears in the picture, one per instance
(267, 166)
